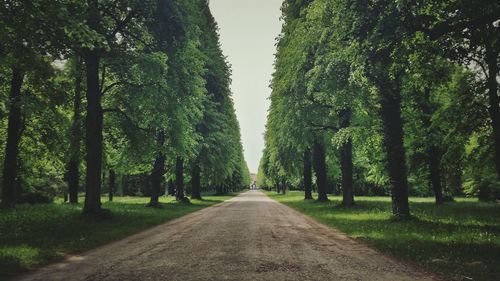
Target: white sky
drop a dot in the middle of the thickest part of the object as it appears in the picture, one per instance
(248, 29)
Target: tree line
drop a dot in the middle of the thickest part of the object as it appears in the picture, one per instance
(386, 98)
(120, 95)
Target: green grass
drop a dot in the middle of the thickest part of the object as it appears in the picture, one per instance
(33, 235)
(458, 240)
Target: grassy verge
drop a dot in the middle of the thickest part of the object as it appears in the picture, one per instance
(32, 235)
(458, 240)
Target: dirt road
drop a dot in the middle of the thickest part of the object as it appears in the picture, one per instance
(249, 237)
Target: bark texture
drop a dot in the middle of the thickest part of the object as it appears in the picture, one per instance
(346, 165)
(73, 171)
(94, 124)
(112, 184)
(179, 179)
(158, 170)
(307, 173)
(195, 182)
(10, 186)
(94, 120)
(320, 170)
(390, 112)
(494, 100)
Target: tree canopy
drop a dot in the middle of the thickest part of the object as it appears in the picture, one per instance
(144, 83)
(402, 97)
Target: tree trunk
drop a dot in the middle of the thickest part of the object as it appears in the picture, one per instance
(73, 171)
(94, 120)
(307, 175)
(454, 182)
(158, 171)
(112, 184)
(432, 153)
(171, 188)
(10, 192)
(195, 182)
(218, 190)
(390, 112)
(346, 165)
(433, 160)
(494, 100)
(94, 124)
(179, 179)
(320, 170)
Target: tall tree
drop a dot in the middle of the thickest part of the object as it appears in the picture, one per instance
(23, 51)
(108, 22)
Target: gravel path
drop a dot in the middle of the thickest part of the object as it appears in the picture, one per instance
(249, 237)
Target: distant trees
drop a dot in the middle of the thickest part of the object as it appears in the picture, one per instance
(342, 63)
(157, 101)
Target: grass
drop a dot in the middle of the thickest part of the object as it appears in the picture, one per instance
(33, 235)
(460, 240)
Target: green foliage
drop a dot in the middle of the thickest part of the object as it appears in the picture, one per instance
(365, 57)
(161, 70)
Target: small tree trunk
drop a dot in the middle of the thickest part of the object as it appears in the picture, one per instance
(434, 159)
(218, 190)
(494, 100)
(112, 184)
(454, 183)
(171, 188)
(10, 192)
(158, 171)
(320, 170)
(307, 175)
(179, 179)
(195, 182)
(433, 153)
(346, 165)
(390, 112)
(73, 171)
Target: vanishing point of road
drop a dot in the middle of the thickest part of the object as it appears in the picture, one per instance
(249, 237)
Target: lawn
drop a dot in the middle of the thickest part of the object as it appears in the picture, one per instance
(460, 240)
(33, 235)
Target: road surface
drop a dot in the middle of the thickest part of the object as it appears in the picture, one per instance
(249, 237)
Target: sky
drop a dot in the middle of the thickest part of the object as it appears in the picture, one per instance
(248, 31)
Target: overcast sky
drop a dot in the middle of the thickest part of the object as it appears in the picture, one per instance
(248, 31)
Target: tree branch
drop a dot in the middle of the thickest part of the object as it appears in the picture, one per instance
(122, 113)
(318, 103)
(448, 26)
(112, 85)
(137, 38)
(120, 26)
(321, 127)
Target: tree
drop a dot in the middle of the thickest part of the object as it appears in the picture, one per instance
(468, 32)
(23, 51)
(73, 168)
(107, 22)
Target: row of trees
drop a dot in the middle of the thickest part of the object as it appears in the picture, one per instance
(386, 97)
(144, 83)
